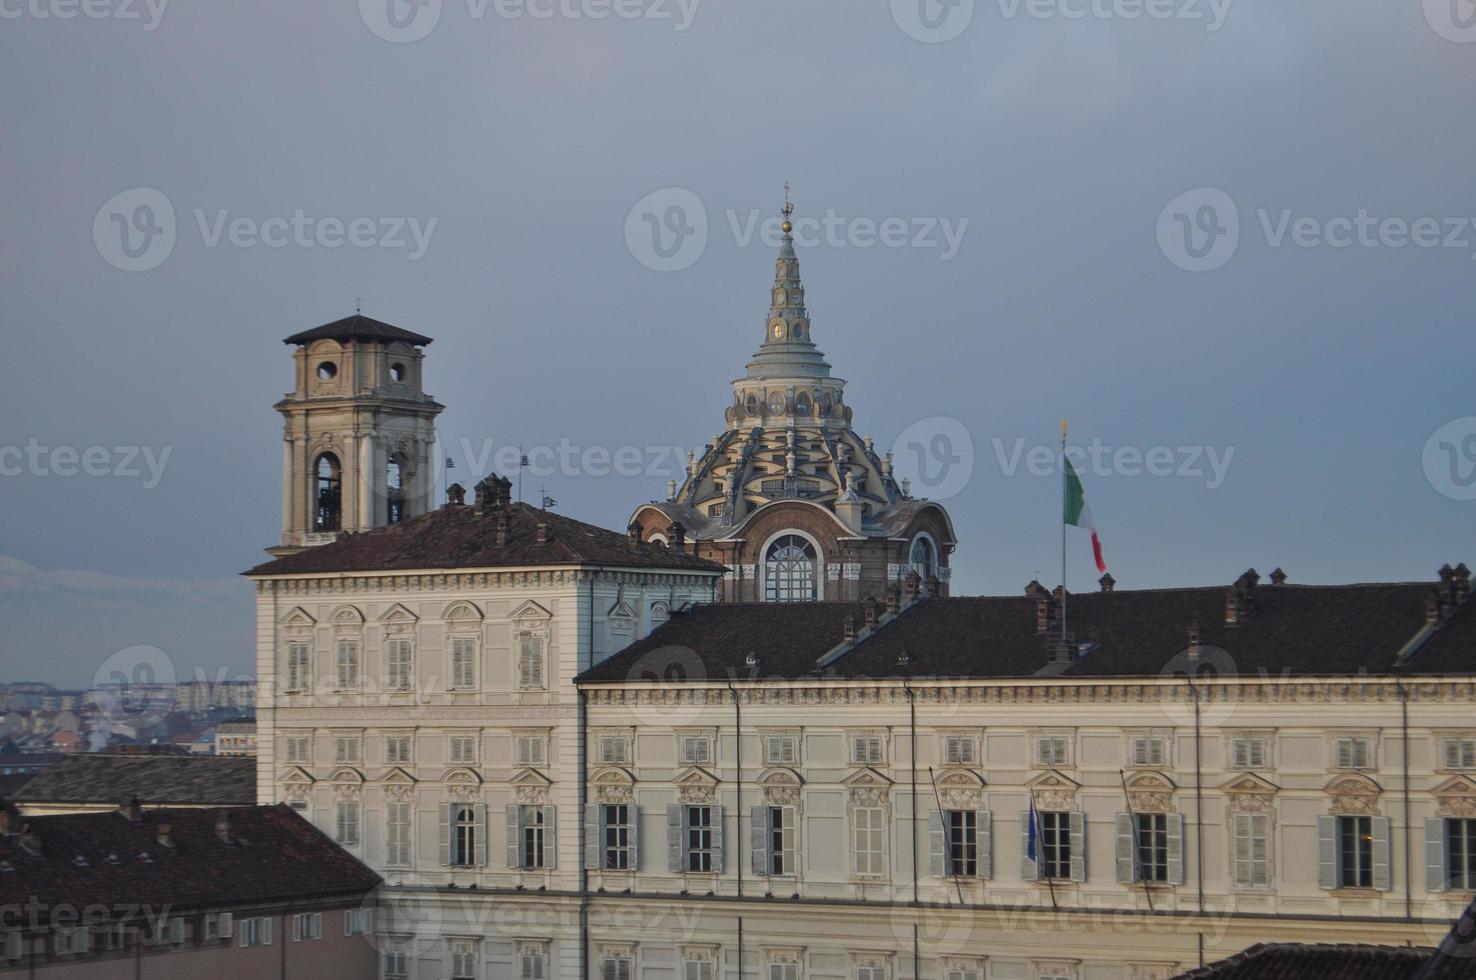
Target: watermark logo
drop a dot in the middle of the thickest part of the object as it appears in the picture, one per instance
(673, 668)
(1199, 230)
(1454, 20)
(1199, 666)
(666, 231)
(135, 686)
(1208, 463)
(935, 456)
(400, 21)
(1450, 459)
(149, 12)
(933, 21)
(134, 230)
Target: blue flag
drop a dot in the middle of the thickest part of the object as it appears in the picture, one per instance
(1030, 848)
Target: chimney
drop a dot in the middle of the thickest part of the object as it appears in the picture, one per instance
(850, 632)
(892, 599)
(163, 834)
(1433, 610)
(455, 495)
(935, 587)
(504, 491)
(30, 841)
(486, 495)
(223, 826)
(635, 535)
(671, 489)
(1232, 607)
(1107, 582)
(1194, 642)
(1045, 613)
(914, 585)
(678, 532)
(9, 819)
(1462, 580)
(542, 537)
(870, 613)
(501, 528)
(1278, 577)
(1035, 588)
(132, 811)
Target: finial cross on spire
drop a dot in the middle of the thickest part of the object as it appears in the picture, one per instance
(788, 205)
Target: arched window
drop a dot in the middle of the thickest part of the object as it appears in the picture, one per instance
(329, 497)
(923, 560)
(790, 566)
(395, 491)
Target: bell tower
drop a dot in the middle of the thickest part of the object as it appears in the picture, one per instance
(358, 432)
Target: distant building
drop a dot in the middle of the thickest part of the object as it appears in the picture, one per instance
(1348, 961)
(236, 738)
(94, 782)
(142, 896)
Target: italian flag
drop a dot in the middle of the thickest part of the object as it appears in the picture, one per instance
(1078, 514)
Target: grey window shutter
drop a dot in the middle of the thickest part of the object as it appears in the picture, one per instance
(514, 836)
(1127, 858)
(1029, 870)
(634, 836)
(986, 843)
(760, 833)
(445, 812)
(550, 837)
(717, 839)
(1327, 852)
(1176, 848)
(937, 845)
(676, 818)
(481, 855)
(1383, 871)
(1436, 877)
(1078, 846)
(594, 858)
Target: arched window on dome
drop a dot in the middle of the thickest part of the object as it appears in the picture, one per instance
(791, 567)
(328, 500)
(924, 559)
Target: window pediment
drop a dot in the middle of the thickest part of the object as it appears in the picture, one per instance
(696, 776)
(298, 776)
(350, 616)
(780, 776)
(1151, 792)
(866, 776)
(297, 618)
(461, 776)
(1456, 797)
(530, 612)
(398, 614)
(462, 612)
(961, 779)
(621, 610)
(1354, 793)
(397, 777)
(346, 775)
(867, 787)
(612, 784)
(1250, 783)
(1053, 791)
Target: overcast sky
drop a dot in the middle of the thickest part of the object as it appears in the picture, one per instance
(1319, 358)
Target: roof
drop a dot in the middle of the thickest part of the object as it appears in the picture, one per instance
(358, 327)
(272, 854)
(1291, 630)
(1288, 961)
(1452, 646)
(462, 536)
(174, 780)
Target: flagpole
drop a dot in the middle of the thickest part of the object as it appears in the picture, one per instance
(1063, 532)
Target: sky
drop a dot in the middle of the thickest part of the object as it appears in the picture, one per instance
(1233, 240)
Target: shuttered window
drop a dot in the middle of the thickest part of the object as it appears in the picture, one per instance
(1252, 849)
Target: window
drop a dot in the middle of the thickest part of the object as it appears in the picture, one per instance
(346, 748)
(1252, 843)
(962, 855)
(1052, 750)
(1355, 852)
(1460, 854)
(298, 748)
(466, 830)
(1055, 845)
(394, 477)
(1352, 752)
(358, 922)
(779, 848)
(67, 941)
(396, 965)
(699, 839)
(922, 559)
(397, 832)
(781, 750)
(962, 973)
(1147, 750)
(347, 825)
(15, 944)
(534, 831)
(615, 837)
(397, 664)
(869, 842)
(307, 927)
(1248, 752)
(328, 514)
(397, 749)
(1459, 753)
(256, 931)
(866, 750)
(530, 663)
(790, 570)
(698, 970)
(532, 966)
(1150, 831)
(463, 662)
(216, 926)
(464, 749)
(871, 973)
(959, 750)
(696, 750)
(348, 664)
(463, 959)
(530, 750)
(615, 968)
(298, 666)
(614, 750)
(783, 971)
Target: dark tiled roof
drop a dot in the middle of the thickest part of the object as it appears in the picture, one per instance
(358, 327)
(1295, 629)
(1287, 961)
(273, 854)
(1452, 648)
(459, 537)
(162, 779)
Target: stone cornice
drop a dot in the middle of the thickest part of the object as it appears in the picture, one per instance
(399, 582)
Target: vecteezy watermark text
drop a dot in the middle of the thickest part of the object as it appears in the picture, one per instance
(148, 12)
(405, 21)
(1208, 463)
(937, 21)
(125, 462)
